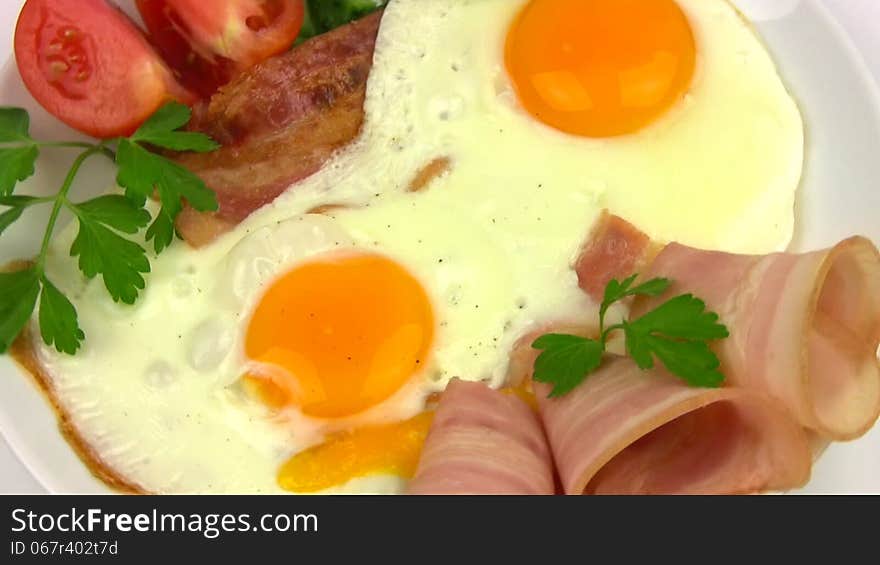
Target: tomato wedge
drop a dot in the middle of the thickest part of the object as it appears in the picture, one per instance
(87, 64)
(208, 43)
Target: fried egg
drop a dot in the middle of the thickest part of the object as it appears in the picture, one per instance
(299, 351)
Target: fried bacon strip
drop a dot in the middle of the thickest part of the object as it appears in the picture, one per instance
(279, 123)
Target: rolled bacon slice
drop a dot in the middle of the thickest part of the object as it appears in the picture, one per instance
(483, 441)
(627, 431)
(804, 327)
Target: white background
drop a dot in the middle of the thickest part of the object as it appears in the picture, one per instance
(860, 18)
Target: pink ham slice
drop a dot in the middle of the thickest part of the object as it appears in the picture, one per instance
(613, 249)
(626, 431)
(804, 327)
(483, 441)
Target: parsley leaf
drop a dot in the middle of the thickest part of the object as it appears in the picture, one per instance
(683, 317)
(160, 130)
(59, 324)
(18, 297)
(18, 201)
(161, 231)
(179, 183)
(654, 287)
(100, 247)
(141, 172)
(9, 217)
(101, 250)
(324, 15)
(116, 211)
(677, 333)
(566, 360)
(17, 205)
(16, 164)
(14, 125)
(692, 361)
(132, 160)
(616, 291)
(168, 118)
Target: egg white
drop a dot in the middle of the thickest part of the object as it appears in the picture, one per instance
(155, 390)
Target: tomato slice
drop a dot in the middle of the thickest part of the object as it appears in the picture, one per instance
(208, 43)
(87, 64)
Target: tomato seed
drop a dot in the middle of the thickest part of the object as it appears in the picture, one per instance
(59, 67)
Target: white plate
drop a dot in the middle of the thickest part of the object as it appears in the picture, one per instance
(840, 196)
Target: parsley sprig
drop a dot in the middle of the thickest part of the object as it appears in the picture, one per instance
(322, 16)
(677, 333)
(101, 246)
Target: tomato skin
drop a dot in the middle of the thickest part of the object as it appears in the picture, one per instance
(87, 64)
(208, 43)
(201, 71)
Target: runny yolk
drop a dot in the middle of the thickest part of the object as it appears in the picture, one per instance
(392, 449)
(339, 335)
(600, 68)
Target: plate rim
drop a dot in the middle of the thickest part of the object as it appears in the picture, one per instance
(46, 478)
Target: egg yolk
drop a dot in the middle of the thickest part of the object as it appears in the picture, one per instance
(393, 449)
(339, 335)
(600, 68)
